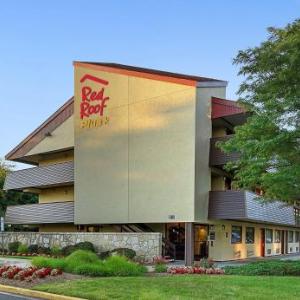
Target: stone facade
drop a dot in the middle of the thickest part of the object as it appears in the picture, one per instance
(146, 245)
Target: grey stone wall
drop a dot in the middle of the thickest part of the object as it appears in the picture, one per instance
(147, 245)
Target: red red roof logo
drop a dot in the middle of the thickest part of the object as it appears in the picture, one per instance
(93, 102)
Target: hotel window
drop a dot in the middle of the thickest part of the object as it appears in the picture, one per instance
(291, 236)
(297, 215)
(277, 236)
(269, 236)
(297, 237)
(250, 232)
(236, 234)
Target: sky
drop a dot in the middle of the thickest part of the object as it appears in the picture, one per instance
(39, 40)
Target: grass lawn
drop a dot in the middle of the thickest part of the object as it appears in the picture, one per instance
(179, 287)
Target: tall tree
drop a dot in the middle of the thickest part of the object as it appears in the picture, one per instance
(269, 142)
(11, 197)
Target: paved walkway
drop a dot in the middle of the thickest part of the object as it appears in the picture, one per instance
(222, 264)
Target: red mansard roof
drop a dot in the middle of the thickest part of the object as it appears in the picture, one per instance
(222, 108)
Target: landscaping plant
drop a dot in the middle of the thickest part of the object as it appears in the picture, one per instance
(22, 249)
(87, 263)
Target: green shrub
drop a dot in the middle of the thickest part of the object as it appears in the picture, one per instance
(120, 266)
(268, 268)
(13, 247)
(85, 246)
(206, 263)
(104, 255)
(33, 248)
(44, 262)
(91, 270)
(129, 253)
(43, 250)
(56, 251)
(67, 250)
(23, 249)
(87, 263)
(161, 268)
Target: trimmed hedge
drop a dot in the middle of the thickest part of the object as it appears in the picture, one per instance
(13, 247)
(67, 250)
(268, 268)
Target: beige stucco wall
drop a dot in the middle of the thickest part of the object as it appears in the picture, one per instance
(140, 166)
(54, 158)
(222, 249)
(61, 138)
(58, 194)
(202, 139)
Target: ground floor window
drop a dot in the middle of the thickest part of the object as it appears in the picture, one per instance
(269, 236)
(277, 236)
(297, 237)
(236, 234)
(250, 233)
(291, 236)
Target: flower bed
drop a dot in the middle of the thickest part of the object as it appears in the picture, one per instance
(27, 274)
(195, 270)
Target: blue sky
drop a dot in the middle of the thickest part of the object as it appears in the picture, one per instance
(40, 39)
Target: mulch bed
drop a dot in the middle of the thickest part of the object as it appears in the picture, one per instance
(36, 281)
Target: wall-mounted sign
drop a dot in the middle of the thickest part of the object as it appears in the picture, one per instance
(93, 102)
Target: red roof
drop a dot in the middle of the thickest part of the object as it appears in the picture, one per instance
(222, 107)
(148, 73)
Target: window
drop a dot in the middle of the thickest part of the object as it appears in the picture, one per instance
(277, 236)
(250, 231)
(291, 236)
(269, 236)
(236, 234)
(297, 215)
(297, 237)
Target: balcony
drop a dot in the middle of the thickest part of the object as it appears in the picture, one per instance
(41, 177)
(41, 213)
(217, 157)
(245, 206)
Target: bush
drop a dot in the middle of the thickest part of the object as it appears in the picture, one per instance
(54, 263)
(206, 263)
(104, 255)
(43, 250)
(13, 247)
(268, 268)
(56, 251)
(87, 263)
(120, 266)
(67, 250)
(23, 249)
(161, 268)
(85, 246)
(129, 253)
(33, 248)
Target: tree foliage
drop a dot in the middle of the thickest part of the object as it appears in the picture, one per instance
(269, 142)
(11, 197)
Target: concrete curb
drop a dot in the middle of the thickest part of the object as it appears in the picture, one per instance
(34, 294)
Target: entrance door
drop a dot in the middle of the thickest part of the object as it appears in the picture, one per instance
(262, 242)
(282, 242)
(200, 241)
(175, 237)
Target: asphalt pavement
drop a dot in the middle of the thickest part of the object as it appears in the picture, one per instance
(6, 296)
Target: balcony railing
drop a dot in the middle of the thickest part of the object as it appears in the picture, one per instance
(217, 156)
(41, 177)
(41, 213)
(246, 206)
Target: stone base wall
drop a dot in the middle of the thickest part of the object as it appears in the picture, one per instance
(146, 245)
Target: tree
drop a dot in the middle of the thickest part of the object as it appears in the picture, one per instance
(11, 197)
(269, 142)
